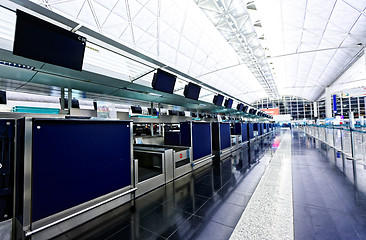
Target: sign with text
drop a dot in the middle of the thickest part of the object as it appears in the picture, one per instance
(271, 111)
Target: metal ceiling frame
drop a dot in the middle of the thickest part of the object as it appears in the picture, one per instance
(231, 26)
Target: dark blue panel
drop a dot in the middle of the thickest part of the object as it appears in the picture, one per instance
(251, 130)
(7, 169)
(260, 129)
(77, 161)
(201, 137)
(7, 128)
(172, 138)
(255, 126)
(244, 132)
(237, 129)
(185, 134)
(225, 135)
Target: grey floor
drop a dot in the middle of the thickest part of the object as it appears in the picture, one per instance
(327, 203)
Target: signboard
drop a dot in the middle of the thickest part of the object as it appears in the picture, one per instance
(334, 103)
(271, 111)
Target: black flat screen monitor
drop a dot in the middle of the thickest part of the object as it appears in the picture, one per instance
(163, 81)
(2, 97)
(245, 109)
(194, 115)
(74, 103)
(218, 99)
(228, 103)
(136, 109)
(154, 113)
(40, 40)
(173, 112)
(240, 107)
(181, 113)
(192, 91)
(201, 115)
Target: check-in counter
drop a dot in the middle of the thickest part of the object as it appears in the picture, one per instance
(242, 130)
(69, 172)
(198, 136)
(221, 139)
(156, 165)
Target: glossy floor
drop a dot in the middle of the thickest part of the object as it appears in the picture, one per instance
(204, 205)
(328, 197)
(327, 203)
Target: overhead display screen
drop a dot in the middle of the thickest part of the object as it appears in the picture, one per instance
(192, 91)
(163, 81)
(42, 41)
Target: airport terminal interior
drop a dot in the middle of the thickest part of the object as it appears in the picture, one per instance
(182, 119)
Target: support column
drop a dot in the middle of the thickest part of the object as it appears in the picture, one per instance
(328, 104)
(315, 109)
(69, 100)
(62, 99)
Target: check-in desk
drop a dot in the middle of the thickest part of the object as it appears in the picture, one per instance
(156, 165)
(69, 172)
(221, 139)
(198, 136)
(242, 130)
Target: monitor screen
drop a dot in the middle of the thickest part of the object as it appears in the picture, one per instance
(40, 40)
(245, 109)
(173, 112)
(228, 103)
(155, 112)
(163, 81)
(240, 107)
(2, 97)
(218, 99)
(192, 91)
(136, 109)
(74, 103)
(194, 115)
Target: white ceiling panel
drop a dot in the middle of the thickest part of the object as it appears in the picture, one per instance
(311, 41)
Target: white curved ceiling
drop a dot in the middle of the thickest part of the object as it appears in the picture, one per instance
(311, 42)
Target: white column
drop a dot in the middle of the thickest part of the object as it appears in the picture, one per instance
(328, 104)
(315, 109)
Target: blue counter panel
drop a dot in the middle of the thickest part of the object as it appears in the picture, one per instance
(251, 130)
(225, 135)
(201, 137)
(260, 129)
(244, 132)
(185, 134)
(76, 161)
(238, 128)
(255, 126)
(172, 138)
(7, 129)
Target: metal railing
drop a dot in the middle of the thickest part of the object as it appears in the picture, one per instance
(346, 140)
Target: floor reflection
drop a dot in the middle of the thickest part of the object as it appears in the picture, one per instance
(195, 206)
